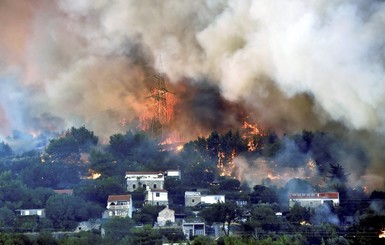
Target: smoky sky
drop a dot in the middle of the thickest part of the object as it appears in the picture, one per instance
(202, 108)
(292, 65)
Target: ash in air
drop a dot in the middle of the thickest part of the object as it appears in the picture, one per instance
(288, 65)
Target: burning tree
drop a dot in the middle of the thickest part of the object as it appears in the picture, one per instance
(337, 174)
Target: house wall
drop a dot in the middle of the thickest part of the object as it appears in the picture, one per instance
(313, 199)
(119, 208)
(311, 203)
(193, 229)
(173, 174)
(156, 197)
(155, 181)
(192, 198)
(212, 199)
(27, 212)
(166, 215)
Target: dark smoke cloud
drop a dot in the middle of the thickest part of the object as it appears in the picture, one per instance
(201, 109)
(292, 64)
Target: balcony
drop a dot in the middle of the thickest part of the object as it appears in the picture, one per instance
(117, 207)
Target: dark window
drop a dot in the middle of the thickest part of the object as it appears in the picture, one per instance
(154, 186)
(133, 186)
(144, 185)
(157, 194)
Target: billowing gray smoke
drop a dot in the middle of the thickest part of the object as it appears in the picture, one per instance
(293, 64)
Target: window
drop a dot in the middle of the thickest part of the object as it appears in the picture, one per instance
(144, 185)
(154, 186)
(157, 194)
(133, 186)
(192, 200)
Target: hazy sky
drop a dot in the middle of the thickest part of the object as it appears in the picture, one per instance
(291, 65)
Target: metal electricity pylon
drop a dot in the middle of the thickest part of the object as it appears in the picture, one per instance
(160, 115)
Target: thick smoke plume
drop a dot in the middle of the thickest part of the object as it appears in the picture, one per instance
(293, 65)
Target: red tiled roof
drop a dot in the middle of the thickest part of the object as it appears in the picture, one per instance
(320, 195)
(114, 198)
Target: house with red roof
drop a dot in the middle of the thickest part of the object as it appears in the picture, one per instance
(156, 197)
(312, 200)
(119, 206)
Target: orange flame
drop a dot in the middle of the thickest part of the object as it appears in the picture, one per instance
(304, 222)
(93, 174)
(382, 233)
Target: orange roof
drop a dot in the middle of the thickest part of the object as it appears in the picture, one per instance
(114, 198)
(320, 195)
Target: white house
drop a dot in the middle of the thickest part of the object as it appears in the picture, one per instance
(193, 198)
(156, 197)
(27, 212)
(193, 227)
(166, 215)
(135, 180)
(173, 174)
(211, 199)
(312, 200)
(119, 205)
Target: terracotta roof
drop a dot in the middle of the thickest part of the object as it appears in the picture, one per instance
(321, 195)
(114, 198)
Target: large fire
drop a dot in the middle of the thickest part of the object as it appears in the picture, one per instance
(160, 107)
(382, 233)
(158, 120)
(226, 164)
(249, 131)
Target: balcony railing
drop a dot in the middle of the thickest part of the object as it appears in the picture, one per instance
(116, 207)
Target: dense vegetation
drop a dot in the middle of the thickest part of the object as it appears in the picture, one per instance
(28, 180)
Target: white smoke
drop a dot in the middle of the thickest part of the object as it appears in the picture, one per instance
(331, 50)
(298, 64)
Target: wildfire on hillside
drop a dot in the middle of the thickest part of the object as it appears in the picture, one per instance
(159, 107)
(249, 131)
(226, 165)
(382, 233)
(92, 174)
(304, 222)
